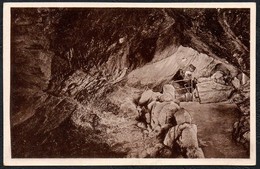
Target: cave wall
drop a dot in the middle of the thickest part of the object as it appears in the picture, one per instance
(57, 51)
(163, 71)
(117, 38)
(112, 39)
(220, 33)
(31, 58)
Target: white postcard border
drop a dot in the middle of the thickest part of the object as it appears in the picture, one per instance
(8, 161)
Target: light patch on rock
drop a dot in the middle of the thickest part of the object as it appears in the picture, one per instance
(212, 92)
(182, 116)
(148, 96)
(188, 137)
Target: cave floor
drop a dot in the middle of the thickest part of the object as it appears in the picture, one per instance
(215, 121)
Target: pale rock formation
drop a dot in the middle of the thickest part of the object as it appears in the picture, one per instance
(212, 92)
(182, 116)
(148, 96)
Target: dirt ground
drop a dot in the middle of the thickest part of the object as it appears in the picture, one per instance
(215, 123)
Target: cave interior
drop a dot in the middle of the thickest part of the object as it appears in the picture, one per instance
(126, 82)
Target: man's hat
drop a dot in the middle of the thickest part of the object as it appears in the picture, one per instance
(192, 67)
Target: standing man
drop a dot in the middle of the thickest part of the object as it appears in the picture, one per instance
(190, 82)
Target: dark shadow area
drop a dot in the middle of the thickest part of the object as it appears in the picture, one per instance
(66, 141)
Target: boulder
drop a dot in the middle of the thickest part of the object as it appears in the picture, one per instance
(172, 134)
(148, 118)
(162, 113)
(151, 105)
(155, 96)
(148, 96)
(169, 89)
(166, 97)
(194, 152)
(155, 112)
(167, 113)
(212, 92)
(188, 137)
(182, 116)
(236, 83)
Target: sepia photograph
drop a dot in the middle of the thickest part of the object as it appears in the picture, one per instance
(136, 84)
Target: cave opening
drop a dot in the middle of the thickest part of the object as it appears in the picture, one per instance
(129, 83)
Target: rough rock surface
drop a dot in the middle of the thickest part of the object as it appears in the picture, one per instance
(171, 123)
(188, 137)
(213, 92)
(149, 96)
(241, 128)
(71, 70)
(164, 70)
(182, 116)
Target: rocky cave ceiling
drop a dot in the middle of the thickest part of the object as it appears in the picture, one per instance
(63, 59)
(220, 33)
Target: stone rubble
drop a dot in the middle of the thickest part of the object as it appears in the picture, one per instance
(214, 89)
(161, 114)
(241, 128)
(39, 107)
